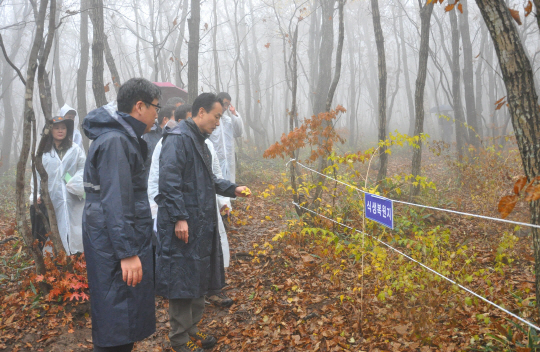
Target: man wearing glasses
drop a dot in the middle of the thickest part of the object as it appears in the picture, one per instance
(117, 222)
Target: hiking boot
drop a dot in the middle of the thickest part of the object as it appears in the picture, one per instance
(207, 341)
(188, 347)
(220, 300)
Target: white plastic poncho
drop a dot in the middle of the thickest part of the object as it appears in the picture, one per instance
(153, 190)
(230, 127)
(66, 196)
(77, 137)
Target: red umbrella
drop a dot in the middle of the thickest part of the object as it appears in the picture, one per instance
(169, 90)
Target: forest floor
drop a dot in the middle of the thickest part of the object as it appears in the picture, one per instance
(296, 291)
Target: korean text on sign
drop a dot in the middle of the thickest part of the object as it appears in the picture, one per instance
(379, 209)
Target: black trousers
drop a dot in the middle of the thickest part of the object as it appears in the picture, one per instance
(122, 348)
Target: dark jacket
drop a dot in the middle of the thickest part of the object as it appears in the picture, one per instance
(187, 191)
(151, 138)
(117, 224)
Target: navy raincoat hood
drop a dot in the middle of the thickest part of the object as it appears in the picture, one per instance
(117, 224)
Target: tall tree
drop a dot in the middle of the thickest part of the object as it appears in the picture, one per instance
(352, 88)
(98, 86)
(193, 50)
(459, 118)
(426, 11)
(214, 46)
(8, 77)
(468, 76)
(325, 56)
(45, 97)
(381, 65)
(410, 103)
(23, 226)
(83, 68)
(111, 64)
(522, 101)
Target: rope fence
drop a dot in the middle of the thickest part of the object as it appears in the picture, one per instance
(412, 259)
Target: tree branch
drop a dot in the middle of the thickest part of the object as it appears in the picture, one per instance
(9, 61)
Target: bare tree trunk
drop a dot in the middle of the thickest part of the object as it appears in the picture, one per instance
(256, 80)
(313, 50)
(83, 70)
(7, 89)
(96, 15)
(468, 76)
(23, 226)
(214, 48)
(406, 73)
(327, 33)
(112, 65)
(522, 100)
(7, 138)
(58, 75)
(178, 65)
(459, 118)
(352, 91)
(381, 63)
(478, 75)
(46, 106)
(292, 115)
(325, 57)
(425, 18)
(193, 50)
(138, 43)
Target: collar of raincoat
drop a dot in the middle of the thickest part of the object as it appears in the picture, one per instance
(138, 126)
(191, 124)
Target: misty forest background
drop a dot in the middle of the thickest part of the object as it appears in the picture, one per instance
(426, 101)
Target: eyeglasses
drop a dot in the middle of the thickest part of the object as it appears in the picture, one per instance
(157, 106)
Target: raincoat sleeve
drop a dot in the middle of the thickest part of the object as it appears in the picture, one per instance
(171, 161)
(224, 187)
(153, 179)
(238, 125)
(75, 185)
(117, 198)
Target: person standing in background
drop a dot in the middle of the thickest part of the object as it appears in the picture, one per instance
(223, 137)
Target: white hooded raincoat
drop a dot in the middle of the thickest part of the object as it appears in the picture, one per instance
(67, 192)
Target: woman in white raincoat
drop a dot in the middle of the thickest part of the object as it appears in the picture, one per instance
(64, 162)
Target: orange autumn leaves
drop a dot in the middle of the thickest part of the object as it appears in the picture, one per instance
(318, 133)
(531, 193)
(514, 13)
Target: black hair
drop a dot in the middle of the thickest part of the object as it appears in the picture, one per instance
(175, 100)
(165, 112)
(224, 95)
(205, 101)
(181, 112)
(135, 90)
(66, 142)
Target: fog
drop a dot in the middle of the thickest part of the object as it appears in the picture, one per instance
(246, 49)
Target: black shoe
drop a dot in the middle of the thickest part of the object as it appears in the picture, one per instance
(188, 347)
(220, 300)
(207, 341)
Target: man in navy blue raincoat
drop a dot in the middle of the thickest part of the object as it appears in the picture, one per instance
(117, 223)
(189, 262)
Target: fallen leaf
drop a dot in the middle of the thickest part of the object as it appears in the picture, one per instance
(401, 329)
